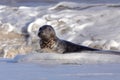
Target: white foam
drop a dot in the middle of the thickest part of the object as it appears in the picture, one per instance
(7, 27)
(63, 5)
(34, 26)
(71, 58)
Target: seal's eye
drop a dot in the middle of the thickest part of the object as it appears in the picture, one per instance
(49, 29)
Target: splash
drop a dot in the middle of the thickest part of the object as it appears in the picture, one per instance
(70, 58)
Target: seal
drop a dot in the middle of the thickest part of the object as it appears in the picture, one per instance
(50, 42)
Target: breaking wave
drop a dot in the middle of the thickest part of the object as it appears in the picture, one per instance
(93, 25)
(70, 58)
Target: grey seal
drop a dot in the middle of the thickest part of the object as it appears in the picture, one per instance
(49, 41)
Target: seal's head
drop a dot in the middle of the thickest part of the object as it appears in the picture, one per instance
(46, 32)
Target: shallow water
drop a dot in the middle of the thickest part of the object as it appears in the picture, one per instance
(72, 72)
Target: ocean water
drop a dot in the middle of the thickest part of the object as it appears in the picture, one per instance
(93, 23)
(90, 23)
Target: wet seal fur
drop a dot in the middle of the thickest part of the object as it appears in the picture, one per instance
(49, 42)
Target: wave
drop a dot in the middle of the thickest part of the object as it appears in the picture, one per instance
(71, 23)
(70, 58)
(72, 5)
